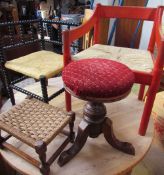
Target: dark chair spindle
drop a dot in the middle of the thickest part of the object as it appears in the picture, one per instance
(32, 31)
(21, 31)
(41, 35)
(11, 33)
(50, 28)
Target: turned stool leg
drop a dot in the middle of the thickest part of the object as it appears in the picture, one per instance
(71, 126)
(113, 141)
(80, 140)
(41, 149)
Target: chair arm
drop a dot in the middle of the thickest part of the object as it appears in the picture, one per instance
(78, 32)
(71, 35)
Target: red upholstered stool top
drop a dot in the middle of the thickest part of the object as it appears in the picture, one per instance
(98, 79)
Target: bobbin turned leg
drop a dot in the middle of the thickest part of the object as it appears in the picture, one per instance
(80, 140)
(41, 149)
(8, 85)
(113, 141)
(43, 82)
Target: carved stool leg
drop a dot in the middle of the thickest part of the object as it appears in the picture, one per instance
(80, 140)
(41, 149)
(113, 141)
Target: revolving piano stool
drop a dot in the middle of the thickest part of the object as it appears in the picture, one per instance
(97, 81)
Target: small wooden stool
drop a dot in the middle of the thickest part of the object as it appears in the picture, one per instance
(96, 81)
(36, 124)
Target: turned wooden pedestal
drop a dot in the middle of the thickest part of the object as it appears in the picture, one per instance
(93, 124)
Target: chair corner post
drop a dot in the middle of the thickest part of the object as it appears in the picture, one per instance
(43, 82)
(41, 34)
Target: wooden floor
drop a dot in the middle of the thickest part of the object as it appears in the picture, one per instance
(97, 157)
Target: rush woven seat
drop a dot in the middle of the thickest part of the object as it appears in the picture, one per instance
(36, 124)
(45, 63)
(135, 59)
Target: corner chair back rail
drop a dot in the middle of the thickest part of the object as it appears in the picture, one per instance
(33, 39)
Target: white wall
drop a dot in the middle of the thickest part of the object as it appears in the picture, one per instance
(147, 26)
(103, 2)
(107, 2)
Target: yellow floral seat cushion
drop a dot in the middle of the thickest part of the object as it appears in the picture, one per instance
(39, 63)
(135, 59)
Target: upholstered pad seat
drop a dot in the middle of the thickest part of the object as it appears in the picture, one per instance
(135, 59)
(98, 79)
(39, 63)
(33, 121)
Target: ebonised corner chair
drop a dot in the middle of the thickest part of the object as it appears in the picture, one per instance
(34, 39)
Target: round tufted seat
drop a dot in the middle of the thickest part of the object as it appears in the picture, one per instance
(98, 79)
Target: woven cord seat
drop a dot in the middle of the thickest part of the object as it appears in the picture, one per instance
(36, 124)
